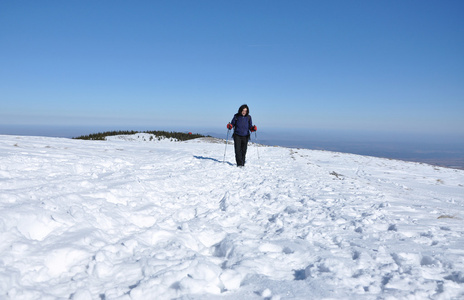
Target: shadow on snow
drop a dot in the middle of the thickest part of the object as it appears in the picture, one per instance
(213, 159)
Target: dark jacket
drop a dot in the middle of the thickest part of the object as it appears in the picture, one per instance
(242, 124)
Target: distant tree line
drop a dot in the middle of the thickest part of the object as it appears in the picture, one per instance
(181, 136)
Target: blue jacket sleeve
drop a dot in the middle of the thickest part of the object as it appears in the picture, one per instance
(250, 123)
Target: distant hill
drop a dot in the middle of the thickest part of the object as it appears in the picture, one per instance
(180, 136)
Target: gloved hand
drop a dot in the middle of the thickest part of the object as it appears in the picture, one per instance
(230, 126)
(253, 128)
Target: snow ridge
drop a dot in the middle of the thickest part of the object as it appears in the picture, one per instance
(120, 219)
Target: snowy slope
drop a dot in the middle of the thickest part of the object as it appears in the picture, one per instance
(134, 219)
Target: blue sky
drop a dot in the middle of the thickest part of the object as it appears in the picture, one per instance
(349, 66)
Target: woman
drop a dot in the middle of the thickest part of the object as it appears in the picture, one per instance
(242, 124)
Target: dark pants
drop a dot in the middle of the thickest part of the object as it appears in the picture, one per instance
(240, 145)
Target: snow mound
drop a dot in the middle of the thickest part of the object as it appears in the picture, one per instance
(162, 220)
(140, 137)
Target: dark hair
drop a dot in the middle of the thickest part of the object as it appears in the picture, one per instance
(242, 107)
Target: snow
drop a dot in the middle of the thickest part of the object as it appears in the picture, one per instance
(134, 218)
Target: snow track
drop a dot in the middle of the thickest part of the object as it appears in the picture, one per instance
(135, 219)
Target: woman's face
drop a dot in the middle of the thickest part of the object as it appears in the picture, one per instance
(244, 112)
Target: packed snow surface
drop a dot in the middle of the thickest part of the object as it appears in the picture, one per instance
(134, 218)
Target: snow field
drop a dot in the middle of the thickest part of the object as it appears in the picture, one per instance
(131, 218)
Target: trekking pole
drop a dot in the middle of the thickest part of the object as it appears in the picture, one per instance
(225, 150)
(256, 138)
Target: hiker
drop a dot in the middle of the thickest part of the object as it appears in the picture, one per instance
(242, 124)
